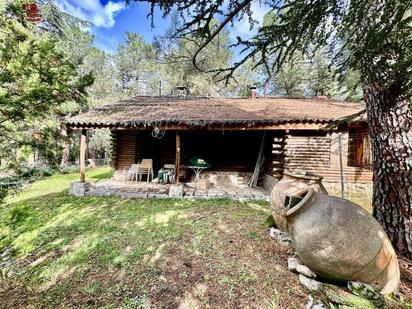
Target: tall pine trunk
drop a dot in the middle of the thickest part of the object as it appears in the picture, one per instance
(390, 129)
(66, 145)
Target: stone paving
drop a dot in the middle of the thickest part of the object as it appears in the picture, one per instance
(132, 189)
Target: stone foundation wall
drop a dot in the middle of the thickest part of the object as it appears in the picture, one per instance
(150, 190)
(365, 188)
(222, 178)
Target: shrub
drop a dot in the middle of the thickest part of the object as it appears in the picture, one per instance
(26, 171)
(9, 184)
(3, 193)
(69, 169)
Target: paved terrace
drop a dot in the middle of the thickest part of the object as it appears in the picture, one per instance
(129, 189)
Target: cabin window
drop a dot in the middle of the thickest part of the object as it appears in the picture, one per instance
(359, 148)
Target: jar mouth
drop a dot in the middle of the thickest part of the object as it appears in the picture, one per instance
(304, 195)
(302, 174)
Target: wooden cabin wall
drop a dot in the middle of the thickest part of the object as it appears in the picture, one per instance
(123, 145)
(352, 174)
(307, 150)
(113, 148)
(318, 152)
(275, 153)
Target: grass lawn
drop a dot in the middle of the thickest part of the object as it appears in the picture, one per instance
(69, 252)
(109, 252)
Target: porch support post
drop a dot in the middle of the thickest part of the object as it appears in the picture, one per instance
(82, 159)
(177, 160)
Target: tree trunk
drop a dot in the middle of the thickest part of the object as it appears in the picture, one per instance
(390, 129)
(66, 145)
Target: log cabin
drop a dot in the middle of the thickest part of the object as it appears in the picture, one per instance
(233, 134)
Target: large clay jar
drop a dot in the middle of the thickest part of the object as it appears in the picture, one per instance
(340, 241)
(283, 192)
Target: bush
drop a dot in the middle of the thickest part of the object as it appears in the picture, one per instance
(69, 169)
(25, 171)
(3, 193)
(9, 184)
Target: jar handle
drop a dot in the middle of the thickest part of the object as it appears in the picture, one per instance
(308, 191)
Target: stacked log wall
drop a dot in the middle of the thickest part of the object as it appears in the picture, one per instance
(275, 153)
(124, 144)
(319, 153)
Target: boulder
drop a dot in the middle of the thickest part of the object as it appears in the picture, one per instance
(176, 191)
(79, 188)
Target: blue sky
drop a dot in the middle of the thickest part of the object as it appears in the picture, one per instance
(112, 18)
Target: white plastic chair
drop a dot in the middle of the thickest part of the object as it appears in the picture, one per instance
(132, 172)
(146, 168)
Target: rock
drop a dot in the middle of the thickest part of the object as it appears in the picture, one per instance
(79, 188)
(310, 302)
(176, 191)
(274, 233)
(203, 184)
(293, 263)
(312, 305)
(304, 270)
(309, 283)
(283, 238)
(319, 305)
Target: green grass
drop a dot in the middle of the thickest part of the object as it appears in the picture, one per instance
(58, 183)
(63, 251)
(110, 252)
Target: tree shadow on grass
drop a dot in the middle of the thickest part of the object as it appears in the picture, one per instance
(57, 238)
(96, 251)
(102, 176)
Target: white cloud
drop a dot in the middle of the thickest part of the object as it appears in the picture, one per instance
(242, 27)
(92, 11)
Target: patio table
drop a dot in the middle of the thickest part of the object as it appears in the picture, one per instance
(198, 169)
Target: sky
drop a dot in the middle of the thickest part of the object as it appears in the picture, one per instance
(111, 19)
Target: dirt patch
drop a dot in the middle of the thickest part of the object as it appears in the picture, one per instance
(227, 270)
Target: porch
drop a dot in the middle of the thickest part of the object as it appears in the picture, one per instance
(139, 189)
(262, 137)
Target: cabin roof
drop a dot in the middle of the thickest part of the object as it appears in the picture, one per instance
(142, 111)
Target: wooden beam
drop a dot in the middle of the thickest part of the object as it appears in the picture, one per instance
(83, 146)
(177, 160)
